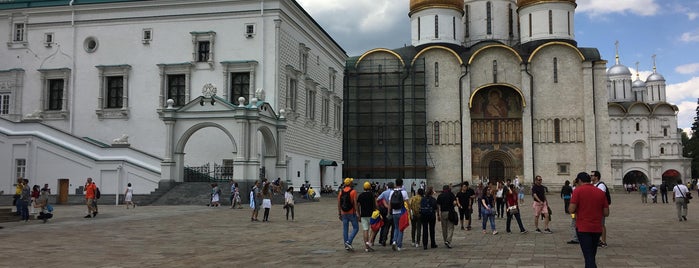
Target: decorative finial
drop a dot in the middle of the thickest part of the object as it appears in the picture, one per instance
(616, 45)
(253, 102)
(170, 103)
(241, 102)
(654, 69)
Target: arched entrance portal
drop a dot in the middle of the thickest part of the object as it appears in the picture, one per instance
(635, 177)
(496, 132)
(671, 177)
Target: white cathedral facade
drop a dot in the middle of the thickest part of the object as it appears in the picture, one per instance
(498, 89)
(140, 91)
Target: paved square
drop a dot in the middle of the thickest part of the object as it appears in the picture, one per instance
(639, 235)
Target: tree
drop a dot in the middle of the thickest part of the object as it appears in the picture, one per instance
(691, 146)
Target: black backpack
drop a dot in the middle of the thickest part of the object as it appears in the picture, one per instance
(346, 200)
(606, 192)
(98, 194)
(397, 199)
(426, 207)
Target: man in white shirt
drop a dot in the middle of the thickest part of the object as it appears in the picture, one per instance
(596, 180)
(680, 198)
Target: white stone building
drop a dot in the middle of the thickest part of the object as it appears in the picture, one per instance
(646, 146)
(489, 89)
(135, 91)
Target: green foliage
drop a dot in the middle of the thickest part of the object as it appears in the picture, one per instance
(691, 145)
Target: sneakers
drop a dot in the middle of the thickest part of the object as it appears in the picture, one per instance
(394, 246)
(462, 228)
(447, 244)
(684, 218)
(468, 228)
(348, 246)
(547, 231)
(495, 232)
(485, 232)
(88, 216)
(538, 231)
(602, 244)
(94, 214)
(573, 242)
(524, 232)
(368, 247)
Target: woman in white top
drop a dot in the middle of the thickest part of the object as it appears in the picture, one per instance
(680, 199)
(289, 203)
(128, 196)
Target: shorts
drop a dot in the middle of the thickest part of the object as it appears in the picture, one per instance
(465, 213)
(365, 223)
(520, 196)
(540, 208)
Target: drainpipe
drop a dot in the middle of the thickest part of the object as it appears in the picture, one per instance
(531, 111)
(71, 117)
(262, 31)
(461, 118)
(594, 112)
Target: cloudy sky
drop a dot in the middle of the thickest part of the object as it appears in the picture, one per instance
(666, 28)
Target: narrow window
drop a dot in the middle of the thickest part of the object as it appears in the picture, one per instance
(436, 133)
(550, 22)
(380, 135)
(292, 94)
(568, 22)
(555, 70)
(19, 32)
(530, 25)
(638, 126)
(176, 88)
(4, 104)
(453, 28)
(665, 132)
(240, 87)
(204, 47)
(495, 71)
(311, 104)
(436, 74)
(418, 28)
(468, 20)
(510, 20)
(436, 26)
(115, 91)
(326, 111)
(638, 151)
(557, 130)
(20, 168)
(489, 18)
(55, 94)
(662, 150)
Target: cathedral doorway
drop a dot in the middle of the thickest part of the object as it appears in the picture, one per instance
(496, 132)
(635, 177)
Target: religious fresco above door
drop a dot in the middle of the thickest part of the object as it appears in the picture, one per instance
(496, 133)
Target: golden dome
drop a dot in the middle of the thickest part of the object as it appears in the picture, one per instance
(417, 5)
(523, 3)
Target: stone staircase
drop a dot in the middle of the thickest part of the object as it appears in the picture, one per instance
(198, 193)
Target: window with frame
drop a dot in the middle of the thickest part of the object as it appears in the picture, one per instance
(203, 47)
(55, 93)
(175, 83)
(550, 22)
(311, 104)
(293, 91)
(114, 93)
(338, 114)
(303, 58)
(20, 168)
(332, 79)
(326, 111)
(510, 21)
(436, 26)
(467, 19)
(436, 133)
(563, 168)
(418, 28)
(4, 103)
(19, 34)
(489, 18)
(240, 87)
(555, 70)
(436, 74)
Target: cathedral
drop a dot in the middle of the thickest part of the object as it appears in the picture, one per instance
(499, 89)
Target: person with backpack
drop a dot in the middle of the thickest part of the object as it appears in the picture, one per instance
(596, 180)
(396, 203)
(428, 217)
(367, 205)
(91, 198)
(414, 204)
(348, 213)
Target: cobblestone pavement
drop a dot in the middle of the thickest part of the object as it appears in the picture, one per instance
(639, 235)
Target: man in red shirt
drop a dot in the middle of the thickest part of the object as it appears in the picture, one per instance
(590, 206)
(348, 212)
(90, 190)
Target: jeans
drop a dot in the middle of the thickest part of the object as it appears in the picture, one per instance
(23, 209)
(487, 217)
(428, 222)
(290, 208)
(397, 233)
(500, 205)
(664, 196)
(415, 230)
(386, 229)
(588, 245)
(509, 220)
(346, 219)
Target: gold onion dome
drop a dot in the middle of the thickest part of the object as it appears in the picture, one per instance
(417, 5)
(523, 3)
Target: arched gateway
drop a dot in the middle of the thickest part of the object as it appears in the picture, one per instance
(255, 131)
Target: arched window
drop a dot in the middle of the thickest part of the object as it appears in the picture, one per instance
(489, 18)
(495, 71)
(436, 74)
(557, 130)
(418, 28)
(662, 150)
(638, 126)
(436, 26)
(555, 70)
(550, 22)
(638, 151)
(665, 132)
(436, 133)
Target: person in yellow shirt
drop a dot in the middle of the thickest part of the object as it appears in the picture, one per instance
(18, 192)
(311, 194)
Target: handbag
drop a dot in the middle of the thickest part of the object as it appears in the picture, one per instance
(453, 218)
(513, 209)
